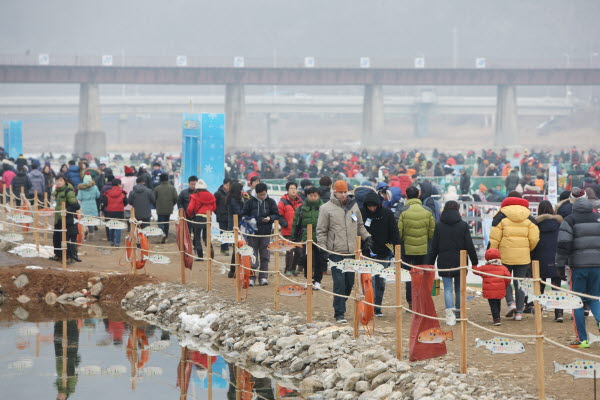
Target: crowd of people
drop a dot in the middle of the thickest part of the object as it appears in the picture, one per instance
(394, 204)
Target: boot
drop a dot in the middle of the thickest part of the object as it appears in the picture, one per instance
(558, 315)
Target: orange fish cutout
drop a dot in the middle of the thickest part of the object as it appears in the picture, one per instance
(435, 335)
(292, 290)
(282, 245)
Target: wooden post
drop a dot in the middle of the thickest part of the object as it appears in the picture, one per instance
(209, 254)
(182, 370)
(36, 232)
(65, 344)
(539, 341)
(309, 272)
(134, 357)
(37, 340)
(11, 201)
(210, 377)
(276, 286)
(463, 312)
(63, 245)
(356, 289)
(4, 209)
(238, 380)
(46, 205)
(181, 245)
(398, 264)
(236, 230)
(133, 236)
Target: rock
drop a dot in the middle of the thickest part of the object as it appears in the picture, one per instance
(362, 386)
(343, 366)
(50, 298)
(253, 330)
(151, 310)
(374, 369)
(421, 392)
(130, 294)
(311, 384)
(96, 309)
(255, 350)
(96, 289)
(81, 300)
(288, 340)
(23, 299)
(350, 381)
(75, 295)
(382, 392)
(381, 379)
(21, 313)
(21, 281)
(297, 365)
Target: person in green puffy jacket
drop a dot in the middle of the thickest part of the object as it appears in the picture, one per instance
(308, 214)
(64, 193)
(416, 226)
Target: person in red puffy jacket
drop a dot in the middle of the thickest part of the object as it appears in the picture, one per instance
(494, 288)
(201, 201)
(287, 207)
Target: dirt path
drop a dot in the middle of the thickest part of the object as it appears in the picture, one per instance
(517, 369)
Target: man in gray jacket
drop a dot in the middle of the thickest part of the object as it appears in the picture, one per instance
(340, 222)
(579, 247)
(141, 199)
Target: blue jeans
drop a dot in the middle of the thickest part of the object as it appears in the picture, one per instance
(114, 235)
(343, 282)
(450, 283)
(586, 280)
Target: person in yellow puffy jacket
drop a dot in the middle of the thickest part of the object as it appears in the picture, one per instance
(515, 234)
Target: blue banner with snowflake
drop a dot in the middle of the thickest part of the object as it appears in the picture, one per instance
(190, 146)
(212, 154)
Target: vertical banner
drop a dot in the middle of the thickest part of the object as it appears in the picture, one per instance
(13, 138)
(552, 185)
(213, 150)
(486, 228)
(190, 147)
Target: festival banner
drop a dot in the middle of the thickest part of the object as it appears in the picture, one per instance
(212, 155)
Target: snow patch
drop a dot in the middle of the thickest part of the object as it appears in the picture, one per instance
(197, 325)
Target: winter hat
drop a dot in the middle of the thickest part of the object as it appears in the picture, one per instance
(129, 170)
(200, 184)
(577, 193)
(305, 182)
(340, 186)
(492, 254)
(164, 177)
(143, 166)
(87, 178)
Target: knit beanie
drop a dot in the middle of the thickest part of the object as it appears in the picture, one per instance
(340, 186)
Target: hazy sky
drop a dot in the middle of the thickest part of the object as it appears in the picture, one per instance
(507, 29)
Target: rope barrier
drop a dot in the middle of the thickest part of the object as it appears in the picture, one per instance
(291, 241)
(333, 252)
(503, 333)
(585, 354)
(49, 229)
(321, 290)
(589, 296)
(196, 222)
(503, 277)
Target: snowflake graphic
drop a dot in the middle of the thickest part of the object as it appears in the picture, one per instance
(208, 168)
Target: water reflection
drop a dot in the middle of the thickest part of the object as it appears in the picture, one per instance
(106, 358)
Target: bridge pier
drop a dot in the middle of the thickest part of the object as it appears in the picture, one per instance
(373, 117)
(506, 116)
(235, 110)
(89, 137)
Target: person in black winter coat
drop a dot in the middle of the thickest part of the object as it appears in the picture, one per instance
(451, 235)
(235, 205)
(222, 212)
(465, 182)
(545, 251)
(381, 224)
(18, 182)
(564, 207)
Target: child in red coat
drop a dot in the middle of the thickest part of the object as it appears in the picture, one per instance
(494, 289)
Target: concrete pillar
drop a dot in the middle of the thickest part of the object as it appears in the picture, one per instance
(373, 118)
(506, 116)
(235, 110)
(122, 128)
(422, 120)
(89, 137)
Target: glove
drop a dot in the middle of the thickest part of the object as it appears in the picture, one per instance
(367, 245)
(562, 273)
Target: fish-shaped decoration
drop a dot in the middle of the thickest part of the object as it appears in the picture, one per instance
(579, 369)
(46, 212)
(450, 317)
(21, 218)
(115, 224)
(158, 259)
(245, 250)
(152, 230)
(89, 370)
(557, 299)
(12, 237)
(435, 335)
(89, 221)
(282, 245)
(360, 266)
(292, 290)
(26, 252)
(224, 237)
(500, 345)
(151, 371)
(28, 331)
(160, 345)
(115, 370)
(21, 364)
(526, 285)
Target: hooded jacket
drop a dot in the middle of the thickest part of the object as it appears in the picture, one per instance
(339, 225)
(564, 208)
(325, 193)
(73, 174)
(513, 232)
(234, 207)
(166, 198)
(306, 214)
(141, 199)
(451, 235)
(221, 198)
(493, 288)
(545, 251)
(512, 180)
(381, 224)
(21, 181)
(87, 195)
(38, 182)
(259, 210)
(579, 237)
(287, 208)
(65, 195)
(116, 199)
(201, 202)
(416, 226)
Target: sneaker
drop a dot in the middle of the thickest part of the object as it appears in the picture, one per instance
(528, 309)
(164, 240)
(231, 274)
(341, 320)
(252, 282)
(316, 286)
(512, 308)
(378, 313)
(288, 273)
(264, 282)
(457, 313)
(295, 273)
(518, 316)
(576, 344)
(586, 313)
(497, 322)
